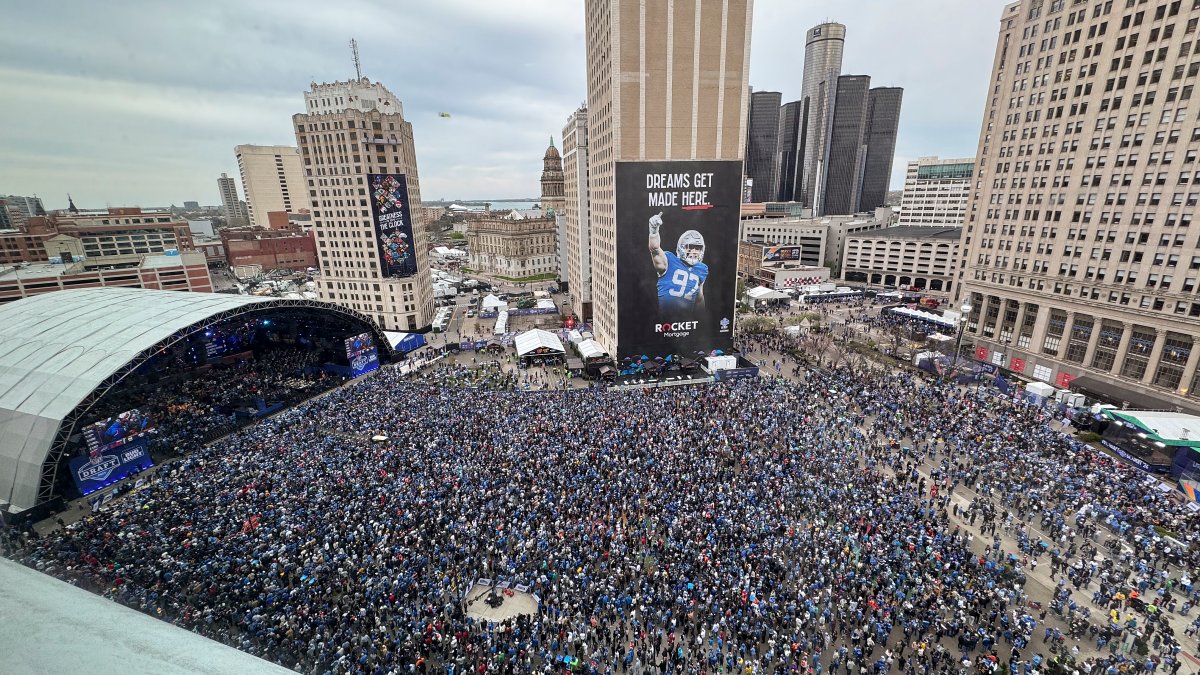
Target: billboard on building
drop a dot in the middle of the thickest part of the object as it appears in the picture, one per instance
(782, 253)
(393, 224)
(677, 244)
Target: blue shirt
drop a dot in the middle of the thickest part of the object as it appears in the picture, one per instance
(679, 286)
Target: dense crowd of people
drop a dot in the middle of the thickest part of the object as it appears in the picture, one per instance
(845, 523)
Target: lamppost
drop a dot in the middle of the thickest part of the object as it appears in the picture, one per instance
(962, 325)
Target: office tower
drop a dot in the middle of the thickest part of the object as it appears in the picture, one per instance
(883, 122)
(1079, 258)
(577, 226)
(791, 131)
(360, 165)
(666, 82)
(232, 205)
(818, 94)
(762, 145)
(26, 207)
(272, 180)
(936, 191)
(847, 151)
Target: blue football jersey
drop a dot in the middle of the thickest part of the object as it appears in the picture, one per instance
(679, 286)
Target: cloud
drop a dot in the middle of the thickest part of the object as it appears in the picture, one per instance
(142, 102)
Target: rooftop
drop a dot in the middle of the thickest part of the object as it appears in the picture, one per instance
(914, 232)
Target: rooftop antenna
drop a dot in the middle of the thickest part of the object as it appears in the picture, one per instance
(357, 62)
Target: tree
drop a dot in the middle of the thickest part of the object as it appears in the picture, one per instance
(757, 325)
(457, 236)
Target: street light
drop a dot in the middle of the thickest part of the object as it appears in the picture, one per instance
(962, 325)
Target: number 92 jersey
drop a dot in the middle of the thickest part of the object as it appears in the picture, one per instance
(680, 285)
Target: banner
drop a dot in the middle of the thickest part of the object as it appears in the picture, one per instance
(105, 466)
(784, 254)
(361, 354)
(393, 224)
(677, 228)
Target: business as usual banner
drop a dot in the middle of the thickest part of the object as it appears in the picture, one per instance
(393, 224)
(677, 227)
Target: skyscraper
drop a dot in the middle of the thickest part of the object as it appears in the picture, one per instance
(577, 225)
(232, 205)
(762, 145)
(272, 179)
(818, 94)
(791, 133)
(666, 81)
(1078, 255)
(847, 151)
(883, 123)
(360, 165)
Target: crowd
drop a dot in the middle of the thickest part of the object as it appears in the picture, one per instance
(847, 523)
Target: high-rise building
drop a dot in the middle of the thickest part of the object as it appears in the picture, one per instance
(823, 48)
(847, 149)
(883, 123)
(666, 81)
(936, 191)
(762, 145)
(230, 203)
(272, 180)
(1078, 256)
(791, 130)
(553, 200)
(577, 226)
(360, 166)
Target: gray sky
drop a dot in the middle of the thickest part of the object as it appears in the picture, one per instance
(140, 102)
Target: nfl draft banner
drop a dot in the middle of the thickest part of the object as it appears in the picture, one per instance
(677, 228)
(107, 465)
(393, 224)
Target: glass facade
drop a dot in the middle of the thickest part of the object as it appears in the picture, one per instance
(945, 171)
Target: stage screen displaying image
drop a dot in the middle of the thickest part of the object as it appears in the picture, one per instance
(362, 354)
(117, 430)
(677, 228)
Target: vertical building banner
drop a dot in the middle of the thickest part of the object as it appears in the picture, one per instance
(393, 224)
(676, 230)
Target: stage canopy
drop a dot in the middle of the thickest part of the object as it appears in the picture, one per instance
(61, 351)
(538, 341)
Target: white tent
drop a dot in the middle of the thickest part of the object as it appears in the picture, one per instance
(590, 349)
(491, 302)
(532, 340)
(1040, 389)
(925, 316)
(545, 304)
(763, 293)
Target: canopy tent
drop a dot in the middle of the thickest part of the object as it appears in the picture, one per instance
(938, 337)
(922, 315)
(545, 304)
(403, 343)
(538, 342)
(590, 349)
(762, 293)
(491, 302)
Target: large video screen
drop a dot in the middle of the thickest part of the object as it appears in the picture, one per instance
(393, 224)
(677, 228)
(105, 466)
(118, 430)
(362, 354)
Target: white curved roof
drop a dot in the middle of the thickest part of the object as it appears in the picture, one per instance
(57, 347)
(533, 339)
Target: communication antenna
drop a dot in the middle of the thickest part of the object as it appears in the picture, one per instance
(357, 62)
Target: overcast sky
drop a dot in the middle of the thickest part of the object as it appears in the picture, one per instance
(141, 102)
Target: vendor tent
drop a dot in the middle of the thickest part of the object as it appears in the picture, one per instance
(492, 303)
(538, 342)
(590, 349)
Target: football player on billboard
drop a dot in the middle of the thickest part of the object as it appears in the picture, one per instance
(681, 274)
